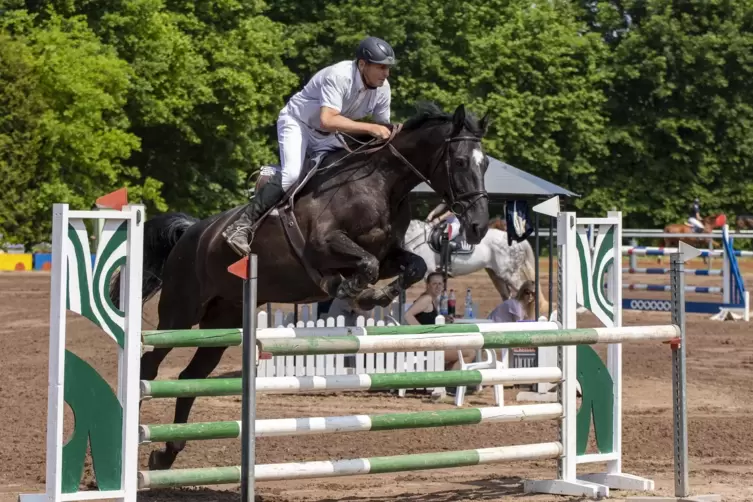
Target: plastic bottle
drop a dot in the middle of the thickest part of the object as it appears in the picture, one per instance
(451, 303)
(443, 303)
(468, 313)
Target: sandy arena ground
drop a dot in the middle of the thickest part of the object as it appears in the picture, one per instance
(720, 403)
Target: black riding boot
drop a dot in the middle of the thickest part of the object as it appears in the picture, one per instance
(238, 234)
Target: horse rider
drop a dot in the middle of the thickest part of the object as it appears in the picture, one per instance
(442, 213)
(333, 101)
(694, 219)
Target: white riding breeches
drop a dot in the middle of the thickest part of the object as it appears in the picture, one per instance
(695, 223)
(296, 139)
(454, 224)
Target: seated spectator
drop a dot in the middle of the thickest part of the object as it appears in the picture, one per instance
(425, 310)
(520, 308)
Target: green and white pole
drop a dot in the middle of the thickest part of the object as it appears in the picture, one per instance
(232, 336)
(352, 467)
(352, 423)
(369, 381)
(317, 345)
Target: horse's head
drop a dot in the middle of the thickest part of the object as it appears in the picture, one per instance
(457, 166)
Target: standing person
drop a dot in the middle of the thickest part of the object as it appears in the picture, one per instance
(520, 308)
(334, 100)
(425, 310)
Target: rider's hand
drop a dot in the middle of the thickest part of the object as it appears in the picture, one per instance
(379, 131)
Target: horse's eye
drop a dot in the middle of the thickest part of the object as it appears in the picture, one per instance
(460, 162)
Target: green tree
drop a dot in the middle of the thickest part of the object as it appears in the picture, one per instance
(206, 82)
(63, 133)
(208, 85)
(681, 110)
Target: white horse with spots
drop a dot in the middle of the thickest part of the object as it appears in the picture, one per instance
(508, 266)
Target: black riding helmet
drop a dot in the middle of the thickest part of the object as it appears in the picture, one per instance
(375, 50)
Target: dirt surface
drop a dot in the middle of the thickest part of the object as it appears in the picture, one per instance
(720, 406)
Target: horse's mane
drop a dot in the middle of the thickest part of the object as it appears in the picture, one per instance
(428, 111)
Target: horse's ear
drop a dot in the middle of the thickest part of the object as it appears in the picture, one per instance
(458, 120)
(484, 124)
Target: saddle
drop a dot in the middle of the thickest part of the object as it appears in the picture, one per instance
(458, 244)
(694, 229)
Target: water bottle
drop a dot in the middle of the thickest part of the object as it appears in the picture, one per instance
(468, 313)
(451, 303)
(443, 303)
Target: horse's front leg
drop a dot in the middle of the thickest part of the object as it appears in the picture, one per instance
(409, 269)
(342, 253)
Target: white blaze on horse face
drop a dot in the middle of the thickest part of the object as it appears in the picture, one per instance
(477, 156)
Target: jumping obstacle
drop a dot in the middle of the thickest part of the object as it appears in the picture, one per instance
(735, 298)
(110, 419)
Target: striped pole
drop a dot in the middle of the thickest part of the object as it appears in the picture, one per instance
(353, 423)
(451, 341)
(659, 251)
(668, 288)
(666, 271)
(377, 381)
(353, 467)
(232, 336)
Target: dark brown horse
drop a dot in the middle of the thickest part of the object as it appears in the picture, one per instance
(352, 219)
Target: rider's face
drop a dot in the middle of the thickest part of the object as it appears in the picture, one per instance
(374, 74)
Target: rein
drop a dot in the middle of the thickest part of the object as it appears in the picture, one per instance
(458, 204)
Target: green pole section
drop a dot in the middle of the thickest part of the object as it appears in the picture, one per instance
(442, 418)
(422, 380)
(191, 388)
(189, 432)
(420, 461)
(192, 338)
(189, 477)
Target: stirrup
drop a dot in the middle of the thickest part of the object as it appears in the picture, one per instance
(242, 248)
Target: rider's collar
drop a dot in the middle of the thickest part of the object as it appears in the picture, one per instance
(358, 79)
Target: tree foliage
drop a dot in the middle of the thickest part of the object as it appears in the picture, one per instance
(681, 110)
(63, 130)
(639, 105)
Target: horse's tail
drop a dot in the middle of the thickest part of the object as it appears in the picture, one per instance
(529, 273)
(161, 233)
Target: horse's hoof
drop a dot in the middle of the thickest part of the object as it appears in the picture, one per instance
(158, 462)
(385, 301)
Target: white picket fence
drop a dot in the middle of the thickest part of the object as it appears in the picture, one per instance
(339, 364)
